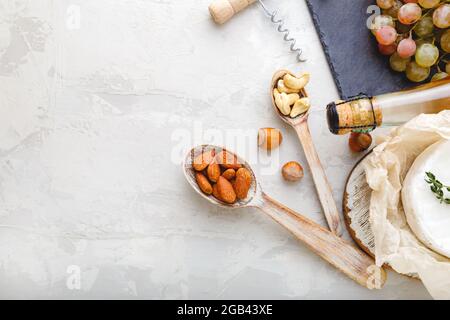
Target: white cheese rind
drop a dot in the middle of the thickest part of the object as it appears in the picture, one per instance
(428, 218)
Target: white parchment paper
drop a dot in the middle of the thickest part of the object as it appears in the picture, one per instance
(395, 243)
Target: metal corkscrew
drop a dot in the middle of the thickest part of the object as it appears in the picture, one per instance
(282, 29)
(224, 10)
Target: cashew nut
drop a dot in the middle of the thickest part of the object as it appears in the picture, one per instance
(282, 88)
(293, 97)
(277, 97)
(282, 102)
(295, 83)
(301, 106)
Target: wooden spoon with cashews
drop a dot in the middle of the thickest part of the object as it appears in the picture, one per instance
(344, 256)
(300, 124)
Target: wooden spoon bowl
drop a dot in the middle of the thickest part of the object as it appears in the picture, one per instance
(344, 256)
(189, 172)
(278, 75)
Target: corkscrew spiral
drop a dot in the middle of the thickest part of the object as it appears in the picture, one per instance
(282, 29)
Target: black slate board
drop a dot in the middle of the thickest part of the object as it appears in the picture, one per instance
(351, 50)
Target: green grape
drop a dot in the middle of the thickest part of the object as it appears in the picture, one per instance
(397, 63)
(386, 35)
(406, 48)
(416, 73)
(381, 21)
(393, 11)
(409, 13)
(439, 76)
(385, 4)
(441, 16)
(424, 27)
(427, 55)
(428, 4)
(445, 41)
(447, 67)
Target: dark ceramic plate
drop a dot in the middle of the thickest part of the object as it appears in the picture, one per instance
(351, 49)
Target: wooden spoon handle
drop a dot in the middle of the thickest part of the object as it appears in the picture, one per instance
(320, 180)
(339, 253)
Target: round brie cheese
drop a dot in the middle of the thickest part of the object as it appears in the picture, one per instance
(428, 218)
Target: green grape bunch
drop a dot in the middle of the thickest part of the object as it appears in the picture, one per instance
(415, 34)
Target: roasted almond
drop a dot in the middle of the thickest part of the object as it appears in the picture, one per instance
(228, 160)
(215, 192)
(213, 171)
(225, 190)
(203, 160)
(203, 183)
(229, 174)
(233, 183)
(242, 183)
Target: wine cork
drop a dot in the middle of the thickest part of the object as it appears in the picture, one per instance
(358, 114)
(223, 10)
(355, 115)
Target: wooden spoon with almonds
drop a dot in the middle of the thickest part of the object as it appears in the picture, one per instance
(341, 254)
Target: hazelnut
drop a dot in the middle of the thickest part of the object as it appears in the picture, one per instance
(269, 138)
(359, 142)
(292, 171)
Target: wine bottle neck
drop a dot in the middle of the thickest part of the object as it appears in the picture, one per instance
(364, 114)
(400, 107)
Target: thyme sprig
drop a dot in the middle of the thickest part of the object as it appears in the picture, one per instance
(437, 187)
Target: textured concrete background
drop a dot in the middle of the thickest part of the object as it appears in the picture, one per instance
(100, 99)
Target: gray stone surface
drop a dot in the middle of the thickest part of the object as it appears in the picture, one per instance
(99, 101)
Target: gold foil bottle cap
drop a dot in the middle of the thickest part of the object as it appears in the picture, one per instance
(356, 114)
